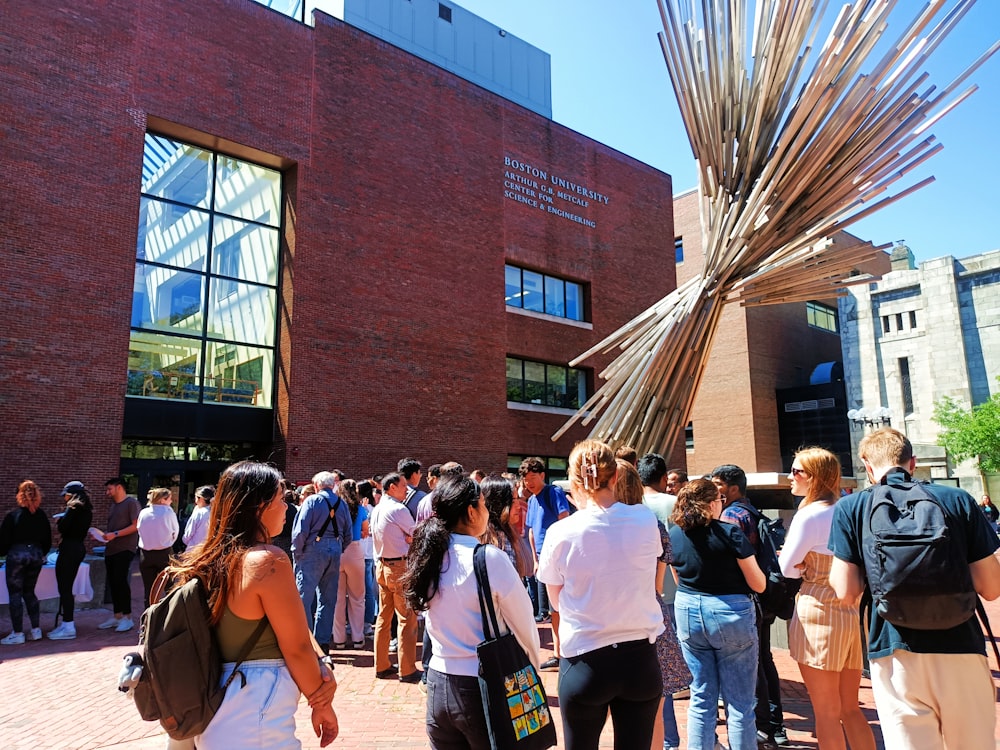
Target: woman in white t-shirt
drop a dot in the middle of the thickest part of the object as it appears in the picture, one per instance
(823, 635)
(441, 582)
(600, 568)
(196, 529)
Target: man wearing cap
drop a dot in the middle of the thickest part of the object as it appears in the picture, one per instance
(122, 538)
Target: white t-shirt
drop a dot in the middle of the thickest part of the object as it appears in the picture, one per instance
(158, 527)
(809, 532)
(605, 561)
(453, 618)
(196, 530)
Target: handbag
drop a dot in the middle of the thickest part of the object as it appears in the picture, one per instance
(514, 701)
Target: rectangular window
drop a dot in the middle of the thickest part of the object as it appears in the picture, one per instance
(689, 436)
(913, 319)
(821, 316)
(885, 324)
(544, 384)
(444, 12)
(539, 292)
(678, 249)
(899, 321)
(905, 385)
(206, 277)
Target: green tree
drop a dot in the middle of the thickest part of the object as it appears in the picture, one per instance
(971, 433)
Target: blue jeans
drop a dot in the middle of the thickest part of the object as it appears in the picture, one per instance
(317, 571)
(718, 636)
(371, 592)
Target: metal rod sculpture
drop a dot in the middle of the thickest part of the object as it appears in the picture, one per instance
(792, 144)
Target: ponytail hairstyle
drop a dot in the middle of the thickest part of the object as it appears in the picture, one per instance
(592, 465)
(157, 494)
(29, 496)
(628, 489)
(453, 497)
(206, 492)
(348, 490)
(366, 491)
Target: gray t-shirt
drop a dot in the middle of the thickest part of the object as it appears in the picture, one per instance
(122, 515)
(662, 506)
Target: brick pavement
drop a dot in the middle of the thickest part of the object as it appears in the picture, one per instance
(60, 695)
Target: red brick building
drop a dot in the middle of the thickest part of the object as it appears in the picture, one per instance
(316, 226)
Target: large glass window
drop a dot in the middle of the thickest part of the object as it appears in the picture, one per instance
(542, 293)
(821, 316)
(204, 301)
(544, 384)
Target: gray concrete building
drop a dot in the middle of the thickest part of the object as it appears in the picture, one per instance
(917, 335)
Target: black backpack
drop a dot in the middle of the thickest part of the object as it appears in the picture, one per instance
(778, 599)
(182, 664)
(918, 574)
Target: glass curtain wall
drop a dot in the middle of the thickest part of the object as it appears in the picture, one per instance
(204, 300)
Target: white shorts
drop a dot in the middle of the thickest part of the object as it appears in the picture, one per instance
(257, 716)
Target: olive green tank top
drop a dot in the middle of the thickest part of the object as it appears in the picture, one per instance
(233, 632)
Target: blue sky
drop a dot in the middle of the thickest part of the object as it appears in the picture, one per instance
(609, 82)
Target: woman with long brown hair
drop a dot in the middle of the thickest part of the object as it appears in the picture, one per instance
(248, 579)
(25, 540)
(823, 635)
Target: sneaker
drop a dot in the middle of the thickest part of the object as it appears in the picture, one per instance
(340, 646)
(64, 632)
(111, 622)
(551, 663)
(387, 673)
(14, 639)
(35, 634)
(545, 617)
(358, 645)
(125, 624)
(369, 631)
(780, 737)
(412, 678)
(393, 646)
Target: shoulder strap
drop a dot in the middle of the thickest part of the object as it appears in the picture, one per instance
(329, 517)
(245, 652)
(981, 611)
(485, 594)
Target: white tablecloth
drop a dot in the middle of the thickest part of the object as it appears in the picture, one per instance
(46, 587)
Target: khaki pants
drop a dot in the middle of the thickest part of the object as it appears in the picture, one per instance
(390, 591)
(934, 701)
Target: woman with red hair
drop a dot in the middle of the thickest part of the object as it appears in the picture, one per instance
(25, 539)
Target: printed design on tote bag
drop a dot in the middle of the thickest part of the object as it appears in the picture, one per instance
(528, 710)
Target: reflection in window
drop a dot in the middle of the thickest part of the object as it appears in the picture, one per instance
(204, 299)
(821, 316)
(556, 467)
(544, 384)
(539, 292)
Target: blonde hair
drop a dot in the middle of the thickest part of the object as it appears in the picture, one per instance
(29, 496)
(886, 447)
(823, 468)
(157, 494)
(628, 490)
(592, 465)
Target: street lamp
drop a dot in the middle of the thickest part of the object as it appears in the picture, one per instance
(877, 417)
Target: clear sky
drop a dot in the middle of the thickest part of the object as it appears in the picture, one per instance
(610, 83)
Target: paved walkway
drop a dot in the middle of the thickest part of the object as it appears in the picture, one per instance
(61, 695)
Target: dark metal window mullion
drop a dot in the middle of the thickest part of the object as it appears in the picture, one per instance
(210, 252)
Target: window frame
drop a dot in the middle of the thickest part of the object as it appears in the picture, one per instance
(547, 392)
(547, 280)
(817, 311)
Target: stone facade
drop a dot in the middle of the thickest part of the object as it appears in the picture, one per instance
(918, 335)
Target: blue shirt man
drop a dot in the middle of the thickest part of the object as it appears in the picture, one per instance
(320, 534)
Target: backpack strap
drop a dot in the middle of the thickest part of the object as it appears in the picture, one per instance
(981, 611)
(244, 653)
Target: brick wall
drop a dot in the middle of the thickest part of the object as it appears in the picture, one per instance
(393, 329)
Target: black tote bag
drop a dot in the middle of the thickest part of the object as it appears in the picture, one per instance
(517, 710)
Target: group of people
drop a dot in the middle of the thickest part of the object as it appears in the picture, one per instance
(649, 593)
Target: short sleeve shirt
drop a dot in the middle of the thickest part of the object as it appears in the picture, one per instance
(706, 558)
(971, 530)
(543, 511)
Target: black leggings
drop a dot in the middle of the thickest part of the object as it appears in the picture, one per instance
(625, 679)
(71, 553)
(151, 562)
(24, 563)
(119, 566)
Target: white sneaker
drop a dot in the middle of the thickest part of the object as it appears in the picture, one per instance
(65, 632)
(35, 634)
(13, 639)
(124, 625)
(111, 622)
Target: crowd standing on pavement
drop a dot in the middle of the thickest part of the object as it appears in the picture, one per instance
(648, 580)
